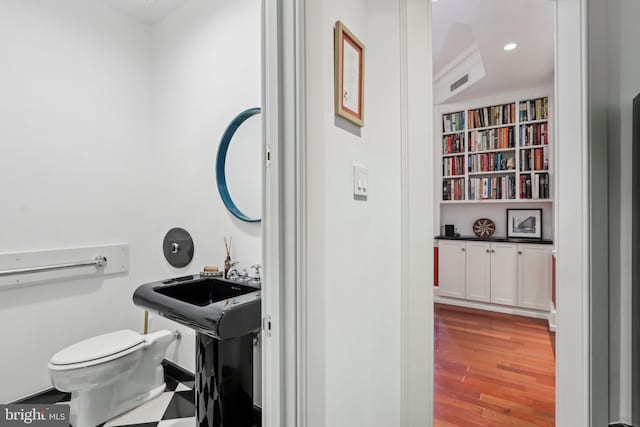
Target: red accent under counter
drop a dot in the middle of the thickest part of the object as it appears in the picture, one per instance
(435, 266)
(553, 281)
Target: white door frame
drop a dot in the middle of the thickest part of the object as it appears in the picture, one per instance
(283, 207)
(284, 394)
(417, 210)
(572, 216)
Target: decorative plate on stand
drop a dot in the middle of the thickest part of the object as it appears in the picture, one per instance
(484, 228)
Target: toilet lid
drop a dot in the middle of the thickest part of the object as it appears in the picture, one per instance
(98, 347)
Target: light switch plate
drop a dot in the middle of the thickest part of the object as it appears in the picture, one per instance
(360, 181)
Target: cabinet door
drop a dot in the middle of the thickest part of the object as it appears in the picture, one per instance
(503, 273)
(534, 276)
(478, 271)
(451, 261)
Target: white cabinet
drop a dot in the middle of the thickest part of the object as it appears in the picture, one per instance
(534, 276)
(503, 273)
(451, 271)
(491, 272)
(478, 269)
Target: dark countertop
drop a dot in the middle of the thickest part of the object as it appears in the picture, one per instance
(498, 239)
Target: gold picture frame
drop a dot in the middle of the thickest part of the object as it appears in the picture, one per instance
(349, 75)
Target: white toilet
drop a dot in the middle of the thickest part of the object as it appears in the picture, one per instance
(110, 374)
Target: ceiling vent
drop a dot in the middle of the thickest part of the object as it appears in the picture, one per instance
(464, 71)
(459, 82)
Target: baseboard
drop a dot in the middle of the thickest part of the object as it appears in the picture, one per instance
(175, 371)
(516, 311)
(40, 396)
(178, 372)
(553, 317)
(620, 425)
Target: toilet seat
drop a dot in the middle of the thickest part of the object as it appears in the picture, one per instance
(97, 350)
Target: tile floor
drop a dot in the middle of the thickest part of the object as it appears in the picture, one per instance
(173, 408)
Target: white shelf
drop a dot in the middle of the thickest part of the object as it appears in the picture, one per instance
(533, 122)
(530, 172)
(510, 125)
(453, 132)
(448, 202)
(502, 172)
(531, 147)
(497, 150)
(453, 177)
(444, 156)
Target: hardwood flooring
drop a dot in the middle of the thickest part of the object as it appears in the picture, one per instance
(492, 369)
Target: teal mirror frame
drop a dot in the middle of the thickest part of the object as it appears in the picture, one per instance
(221, 158)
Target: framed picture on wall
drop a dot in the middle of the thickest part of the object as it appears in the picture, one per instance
(349, 75)
(524, 223)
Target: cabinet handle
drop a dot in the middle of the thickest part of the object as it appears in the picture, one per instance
(462, 249)
(493, 251)
(519, 252)
(487, 250)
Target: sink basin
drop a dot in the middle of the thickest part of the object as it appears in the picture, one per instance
(219, 308)
(204, 293)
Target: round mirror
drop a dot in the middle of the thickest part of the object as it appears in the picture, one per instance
(238, 166)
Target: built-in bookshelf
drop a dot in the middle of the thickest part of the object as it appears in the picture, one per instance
(497, 153)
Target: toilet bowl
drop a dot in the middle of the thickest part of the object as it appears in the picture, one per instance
(110, 374)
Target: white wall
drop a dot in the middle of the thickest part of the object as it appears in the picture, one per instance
(110, 130)
(464, 215)
(624, 85)
(74, 172)
(353, 249)
(205, 70)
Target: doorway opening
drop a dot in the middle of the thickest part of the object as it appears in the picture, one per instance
(494, 151)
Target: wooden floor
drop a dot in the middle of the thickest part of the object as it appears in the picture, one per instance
(492, 369)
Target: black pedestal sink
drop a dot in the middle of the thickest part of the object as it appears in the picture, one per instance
(225, 315)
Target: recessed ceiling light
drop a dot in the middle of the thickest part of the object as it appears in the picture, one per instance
(510, 46)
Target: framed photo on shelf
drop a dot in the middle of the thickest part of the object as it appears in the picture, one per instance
(349, 75)
(524, 223)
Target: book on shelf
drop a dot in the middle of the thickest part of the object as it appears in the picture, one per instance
(492, 116)
(534, 134)
(452, 166)
(534, 109)
(534, 186)
(453, 122)
(491, 139)
(489, 162)
(534, 159)
(453, 189)
(452, 144)
(492, 188)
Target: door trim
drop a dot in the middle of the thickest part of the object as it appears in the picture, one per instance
(283, 246)
(416, 117)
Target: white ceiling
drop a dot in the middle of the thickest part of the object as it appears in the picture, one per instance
(146, 10)
(490, 24)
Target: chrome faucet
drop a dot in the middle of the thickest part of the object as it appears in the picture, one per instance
(233, 273)
(243, 275)
(257, 278)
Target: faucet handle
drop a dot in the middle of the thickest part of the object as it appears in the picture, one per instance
(233, 262)
(233, 274)
(257, 267)
(257, 278)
